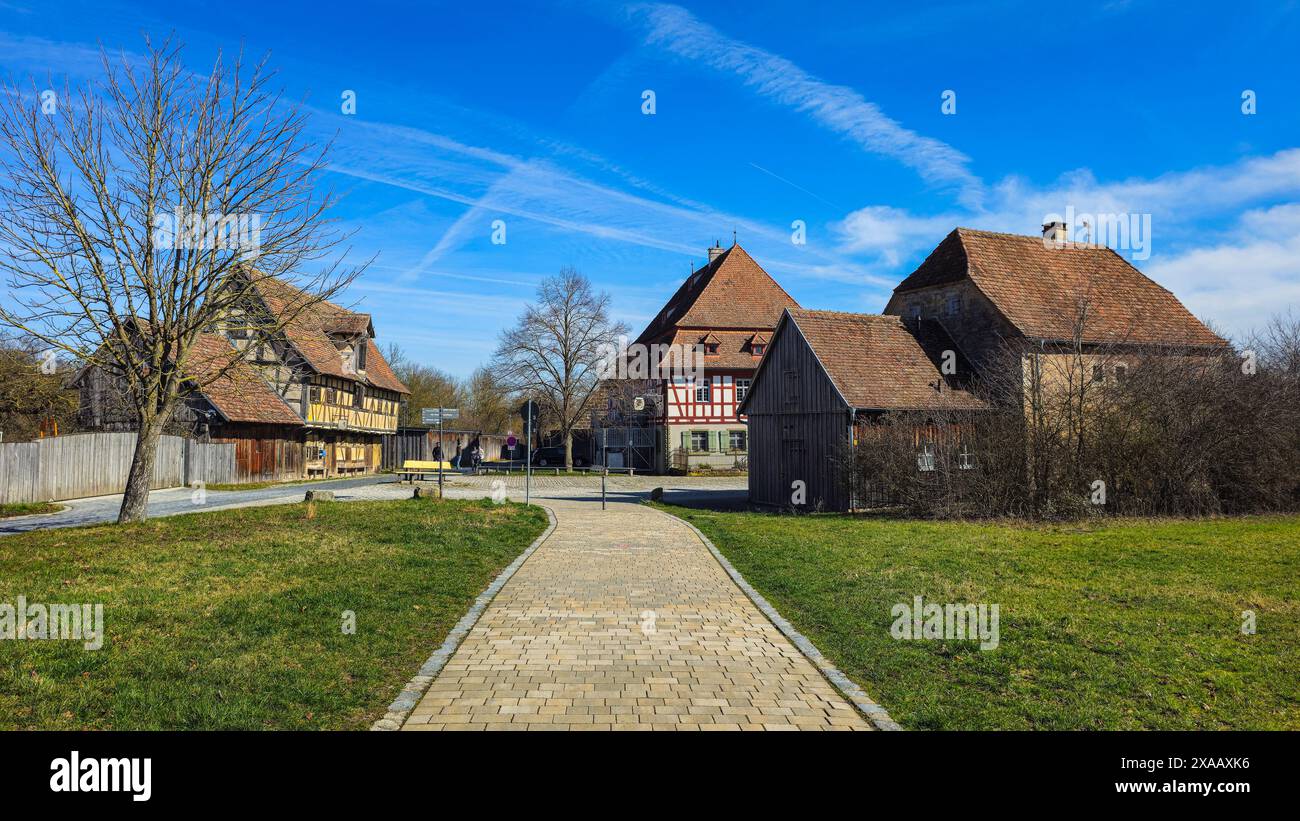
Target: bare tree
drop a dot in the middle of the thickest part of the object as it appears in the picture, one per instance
(33, 392)
(554, 352)
(430, 388)
(488, 402)
(148, 208)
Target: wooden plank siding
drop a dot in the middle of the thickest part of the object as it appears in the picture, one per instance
(264, 453)
(96, 464)
(798, 428)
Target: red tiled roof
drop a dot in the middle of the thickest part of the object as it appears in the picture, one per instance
(1039, 288)
(732, 291)
(885, 362)
(310, 328)
(240, 394)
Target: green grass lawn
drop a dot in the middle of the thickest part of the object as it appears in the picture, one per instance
(1119, 625)
(28, 508)
(234, 619)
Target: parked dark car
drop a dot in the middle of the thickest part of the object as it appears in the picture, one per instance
(554, 457)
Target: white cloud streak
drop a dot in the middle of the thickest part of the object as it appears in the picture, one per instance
(836, 107)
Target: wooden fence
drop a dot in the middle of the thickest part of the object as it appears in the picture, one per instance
(418, 443)
(96, 464)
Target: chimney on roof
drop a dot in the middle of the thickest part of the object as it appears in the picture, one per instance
(715, 251)
(1056, 232)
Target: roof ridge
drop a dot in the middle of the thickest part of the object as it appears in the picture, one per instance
(1072, 245)
(849, 314)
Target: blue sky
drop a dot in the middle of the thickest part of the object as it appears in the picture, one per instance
(765, 113)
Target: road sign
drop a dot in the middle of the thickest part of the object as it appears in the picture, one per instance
(530, 407)
(435, 416)
(511, 441)
(529, 411)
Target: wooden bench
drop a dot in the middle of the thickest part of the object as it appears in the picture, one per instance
(412, 468)
(350, 466)
(315, 467)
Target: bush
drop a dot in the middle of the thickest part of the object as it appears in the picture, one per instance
(1081, 430)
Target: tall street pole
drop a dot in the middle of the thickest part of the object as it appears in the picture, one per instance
(528, 456)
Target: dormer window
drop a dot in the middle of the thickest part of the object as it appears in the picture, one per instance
(361, 356)
(758, 345)
(710, 344)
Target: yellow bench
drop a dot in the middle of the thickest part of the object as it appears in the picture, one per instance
(412, 468)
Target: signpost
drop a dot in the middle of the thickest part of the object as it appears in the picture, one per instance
(529, 413)
(431, 416)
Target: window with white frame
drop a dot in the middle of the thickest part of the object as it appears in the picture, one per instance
(965, 459)
(702, 390)
(736, 439)
(925, 457)
(742, 389)
(699, 441)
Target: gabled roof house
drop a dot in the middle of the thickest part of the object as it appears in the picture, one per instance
(725, 313)
(312, 399)
(978, 294)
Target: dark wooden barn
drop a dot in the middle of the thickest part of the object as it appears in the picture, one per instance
(826, 373)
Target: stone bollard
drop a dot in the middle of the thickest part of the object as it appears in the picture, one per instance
(319, 496)
(657, 495)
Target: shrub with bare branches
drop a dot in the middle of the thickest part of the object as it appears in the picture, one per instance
(1085, 429)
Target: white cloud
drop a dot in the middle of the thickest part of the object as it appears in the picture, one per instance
(1246, 277)
(838, 108)
(1179, 202)
(887, 233)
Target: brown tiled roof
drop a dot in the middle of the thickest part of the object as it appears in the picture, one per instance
(885, 362)
(349, 323)
(1039, 288)
(309, 332)
(732, 291)
(240, 394)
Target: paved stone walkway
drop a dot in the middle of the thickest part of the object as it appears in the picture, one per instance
(623, 620)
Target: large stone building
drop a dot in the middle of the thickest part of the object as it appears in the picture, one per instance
(1038, 312)
(723, 314)
(313, 399)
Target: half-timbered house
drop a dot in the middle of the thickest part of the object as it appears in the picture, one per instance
(723, 314)
(313, 399)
